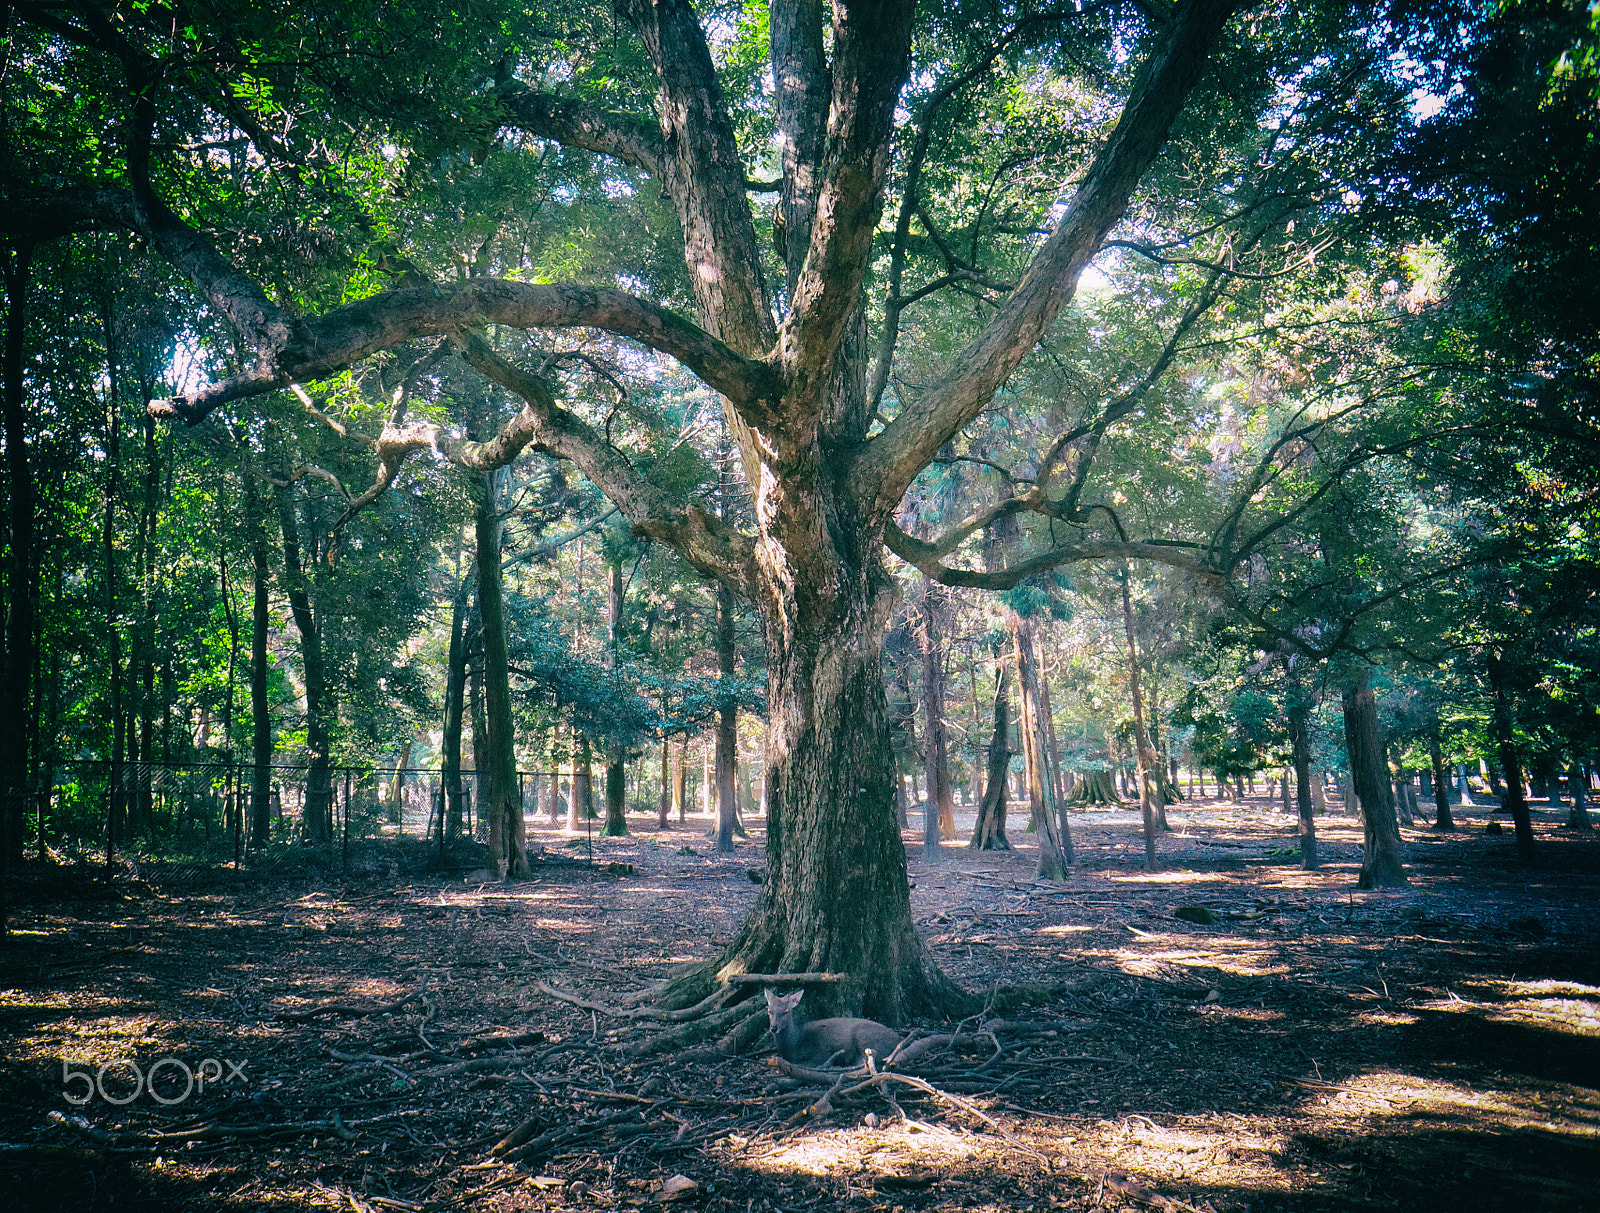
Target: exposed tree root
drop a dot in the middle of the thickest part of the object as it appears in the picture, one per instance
(1095, 788)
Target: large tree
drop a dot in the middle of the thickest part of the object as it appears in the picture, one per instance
(829, 439)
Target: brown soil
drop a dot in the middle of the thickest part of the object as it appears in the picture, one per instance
(1436, 1047)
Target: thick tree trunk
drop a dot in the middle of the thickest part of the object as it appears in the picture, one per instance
(501, 807)
(1466, 788)
(1441, 782)
(1300, 744)
(940, 806)
(836, 896)
(1383, 864)
(727, 744)
(990, 832)
(1513, 800)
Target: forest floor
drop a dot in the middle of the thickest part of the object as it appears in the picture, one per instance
(1314, 1048)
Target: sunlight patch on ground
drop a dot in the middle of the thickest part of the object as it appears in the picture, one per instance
(1063, 930)
(1171, 878)
(892, 1149)
(1530, 1003)
(1216, 1150)
(1240, 957)
(1385, 1093)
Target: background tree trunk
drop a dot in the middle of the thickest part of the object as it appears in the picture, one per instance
(1383, 864)
(1513, 800)
(940, 806)
(1145, 756)
(455, 690)
(1441, 781)
(1578, 781)
(1055, 840)
(1300, 744)
(260, 705)
(317, 812)
(989, 834)
(616, 753)
(22, 557)
(727, 743)
(664, 803)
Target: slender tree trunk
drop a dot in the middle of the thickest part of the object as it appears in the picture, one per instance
(936, 764)
(395, 806)
(990, 832)
(680, 781)
(1466, 789)
(455, 702)
(616, 823)
(1513, 801)
(260, 705)
(478, 800)
(115, 823)
(500, 803)
(317, 815)
(1383, 865)
(22, 557)
(727, 740)
(583, 781)
(1441, 782)
(1055, 840)
(1300, 745)
(1144, 754)
(664, 804)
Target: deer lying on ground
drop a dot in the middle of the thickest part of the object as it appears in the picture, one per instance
(826, 1042)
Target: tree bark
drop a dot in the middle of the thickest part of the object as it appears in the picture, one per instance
(500, 804)
(1513, 800)
(1383, 864)
(835, 861)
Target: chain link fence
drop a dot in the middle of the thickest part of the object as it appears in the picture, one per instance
(197, 821)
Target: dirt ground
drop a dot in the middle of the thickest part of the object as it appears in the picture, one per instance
(1313, 1048)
